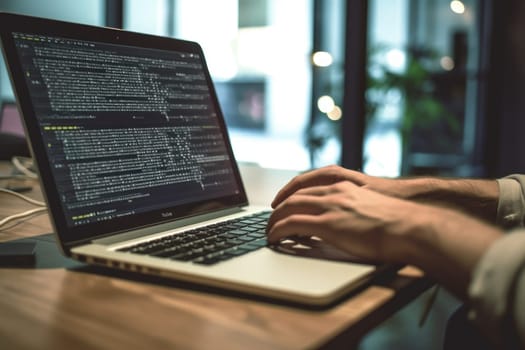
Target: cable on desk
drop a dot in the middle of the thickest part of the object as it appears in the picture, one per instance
(42, 206)
(21, 215)
(26, 198)
(15, 177)
(24, 164)
(24, 167)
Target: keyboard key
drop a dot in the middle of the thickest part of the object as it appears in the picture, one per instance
(210, 244)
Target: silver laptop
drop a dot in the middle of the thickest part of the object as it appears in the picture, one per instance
(136, 164)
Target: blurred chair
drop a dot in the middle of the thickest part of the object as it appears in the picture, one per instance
(12, 137)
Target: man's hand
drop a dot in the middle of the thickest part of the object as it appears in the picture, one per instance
(473, 196)
(352, 218)
(333, 174)
(373, 226)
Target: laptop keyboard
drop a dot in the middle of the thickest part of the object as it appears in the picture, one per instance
(209, 244)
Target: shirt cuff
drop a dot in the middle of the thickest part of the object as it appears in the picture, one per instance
(496, 290)
(511, 205)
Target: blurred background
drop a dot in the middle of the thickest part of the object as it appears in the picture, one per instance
(390, 87)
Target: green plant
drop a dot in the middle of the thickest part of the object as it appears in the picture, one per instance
(417, 86)
(414, 86)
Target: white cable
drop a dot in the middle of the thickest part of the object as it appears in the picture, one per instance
(21, 215)
(22, 164)
(42, 206)
(26, 198)
(16, 176)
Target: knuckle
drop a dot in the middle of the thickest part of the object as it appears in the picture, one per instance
(342, 186)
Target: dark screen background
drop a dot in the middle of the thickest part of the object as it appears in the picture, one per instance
(127, 130)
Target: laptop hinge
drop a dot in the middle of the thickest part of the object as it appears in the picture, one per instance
(141, 232)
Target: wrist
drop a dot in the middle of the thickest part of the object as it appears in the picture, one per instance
(447, 245)
(406, 236)
(412, 236)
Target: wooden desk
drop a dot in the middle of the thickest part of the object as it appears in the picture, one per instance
(62, 304)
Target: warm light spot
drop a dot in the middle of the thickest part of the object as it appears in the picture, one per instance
(447, 63)
(325, 104)
(457, 7)
(322, 59)
(335, 114)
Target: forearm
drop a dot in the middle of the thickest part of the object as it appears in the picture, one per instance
(475, 197)
(445, 244)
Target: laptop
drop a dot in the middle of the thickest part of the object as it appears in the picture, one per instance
(136, 164)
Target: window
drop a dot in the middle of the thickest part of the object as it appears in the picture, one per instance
(426, 75)
(87, 11)
(259, 54)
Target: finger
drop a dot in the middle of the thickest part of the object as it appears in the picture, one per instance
(303, 225)
(312, 200)
(317, 177)
(298, 182)
(297, 226)
(300, 203)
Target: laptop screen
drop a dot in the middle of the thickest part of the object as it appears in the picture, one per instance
(133, 135)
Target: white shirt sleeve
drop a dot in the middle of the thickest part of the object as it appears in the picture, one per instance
(497, 288)
(511, 205)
